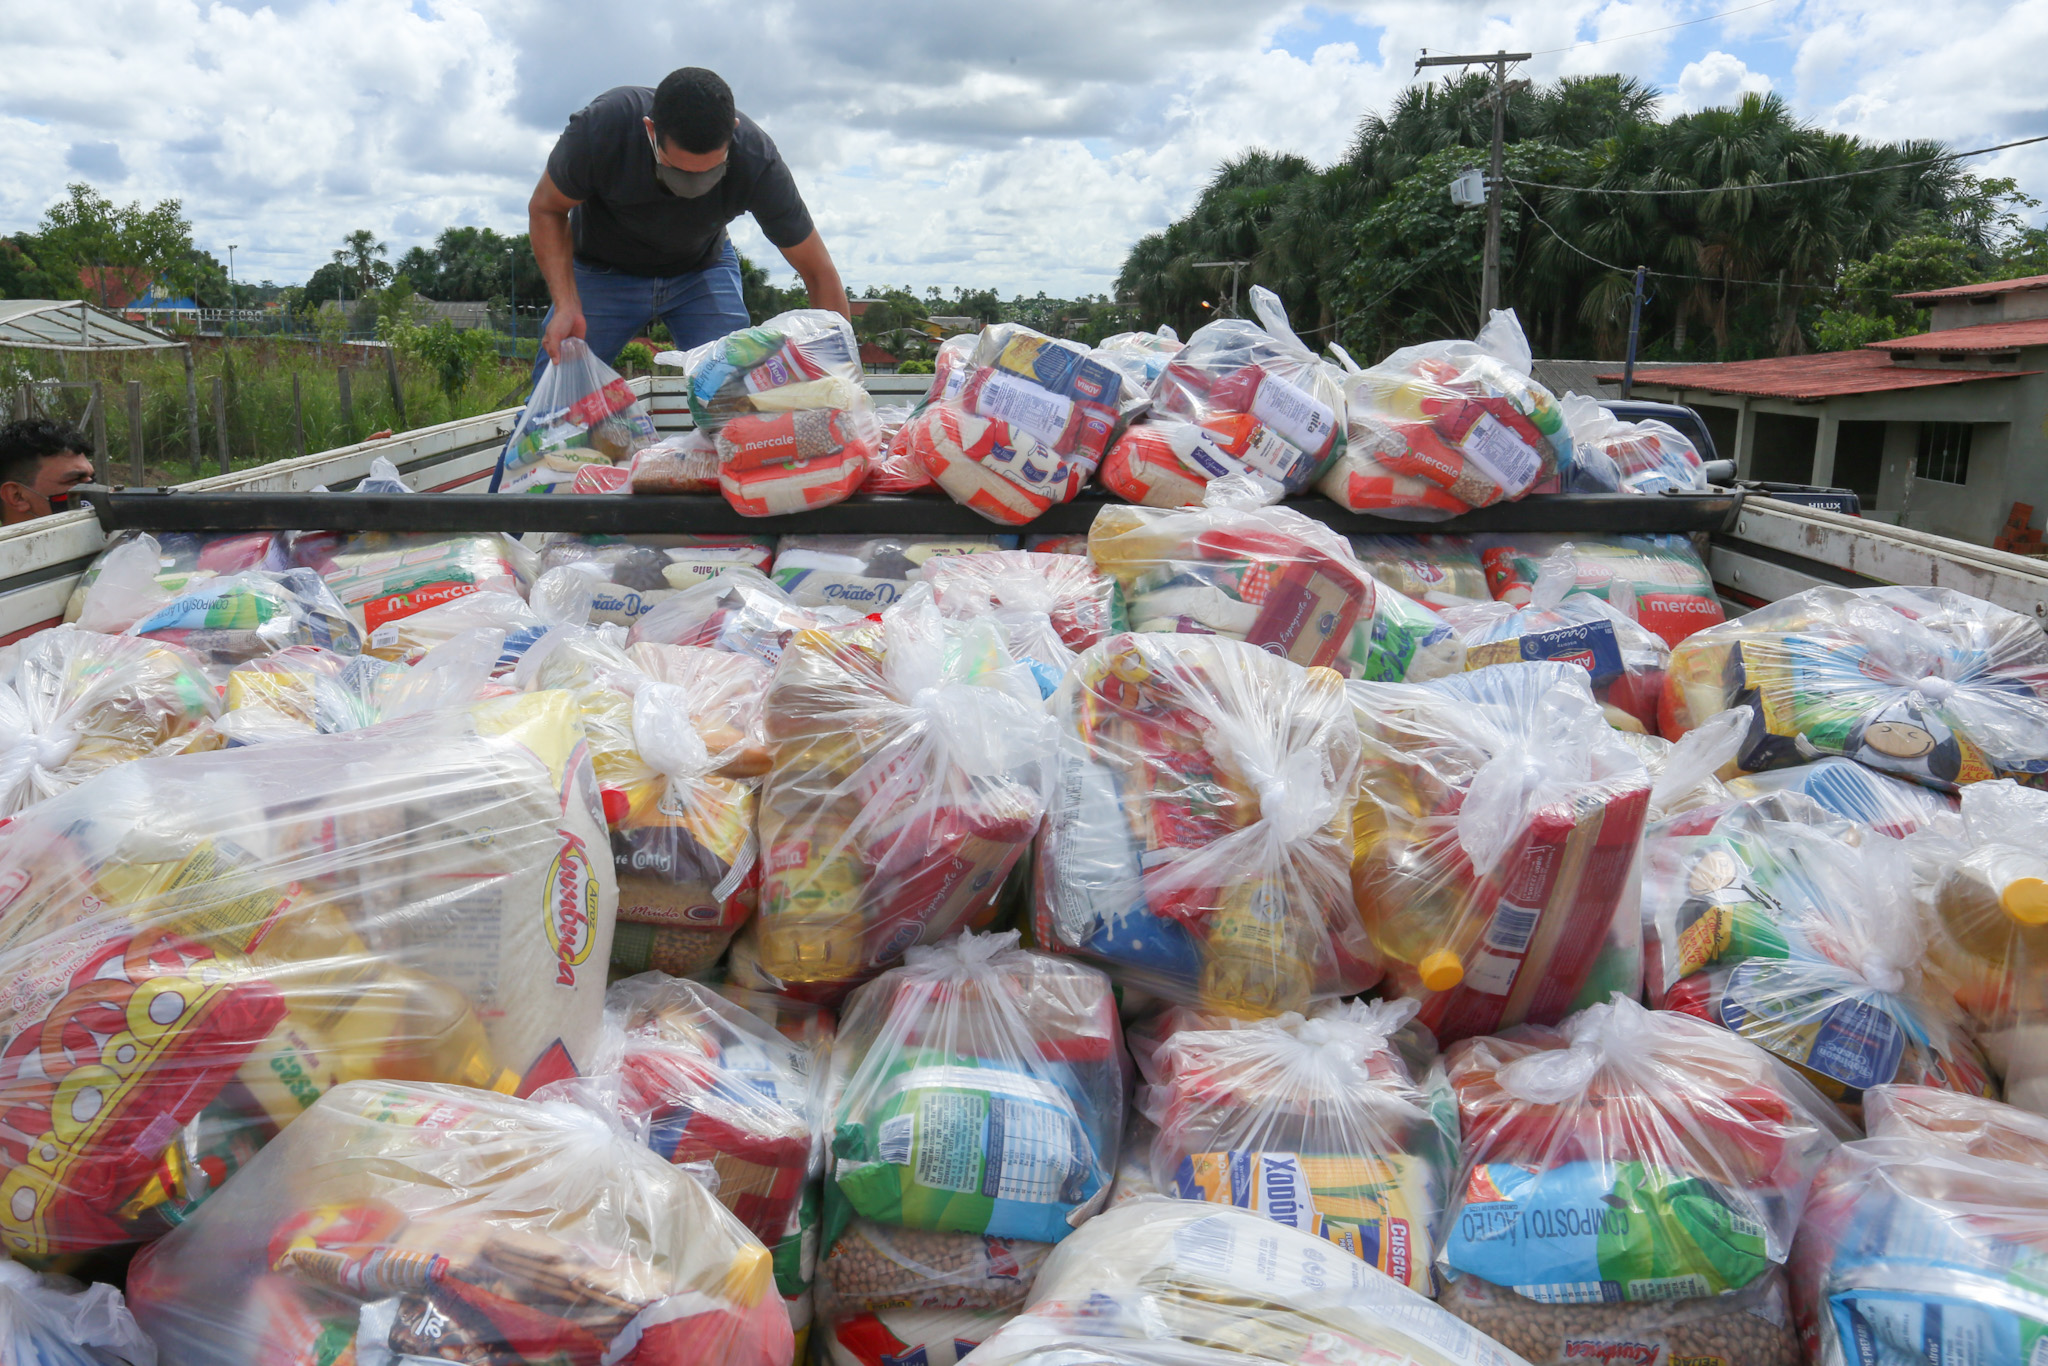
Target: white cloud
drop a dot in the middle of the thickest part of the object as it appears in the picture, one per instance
(1717, 79)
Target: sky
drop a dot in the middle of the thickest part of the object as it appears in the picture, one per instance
(1019, 146)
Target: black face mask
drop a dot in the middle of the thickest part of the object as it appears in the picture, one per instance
(686, 184)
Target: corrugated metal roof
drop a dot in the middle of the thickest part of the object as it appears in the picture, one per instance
(1831, 374)
(67, 325)
(1977, 291)
(1978, 337)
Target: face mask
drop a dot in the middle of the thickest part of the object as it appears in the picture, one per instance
(686, 184)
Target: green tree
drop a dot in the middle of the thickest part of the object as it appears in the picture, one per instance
(362, 257)
(86, 235)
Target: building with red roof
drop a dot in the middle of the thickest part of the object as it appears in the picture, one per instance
(1942, 432)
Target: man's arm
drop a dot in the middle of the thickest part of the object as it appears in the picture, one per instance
(554, 250)
(821, 278)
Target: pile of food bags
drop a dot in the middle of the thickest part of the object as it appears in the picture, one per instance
(1497, 824)
(978, 1097)
(1922, 683)
(740, 611)
(784, 407)
(866, 573)
(1631, 1183)
(1441, 428)
(1050, 607)
(632, 575)
(1200, 829)
(197, 948)
(1658, 581)
(909, 759)
(1240, 398)
(410, 1221)
(1613, 455)
(1436, 571)
(581, 414)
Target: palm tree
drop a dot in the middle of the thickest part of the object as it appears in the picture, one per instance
(360, 254)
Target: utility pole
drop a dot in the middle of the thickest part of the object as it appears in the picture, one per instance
(1235, 268)
(234, 295)
(1635, 331)
(1498, 63)
(512, 274)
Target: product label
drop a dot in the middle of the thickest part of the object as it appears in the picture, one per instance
(1504, 457)
(1376, 1209)
(981, 1130)
(1293, 414)
(1847, 1040)
(1592, 646)
(1024, 406)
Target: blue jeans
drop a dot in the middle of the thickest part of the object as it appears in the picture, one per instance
(700, 306)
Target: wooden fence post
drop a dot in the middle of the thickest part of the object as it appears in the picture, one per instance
(99, 429)
(348, 405)
(220, 422)
(135, 431)
(191, 407)
(397, 391)
(298, 414)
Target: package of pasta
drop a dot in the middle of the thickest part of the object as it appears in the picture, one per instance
(1625, 662)
(1635, 1158)
(1050, 607)
(909, 763)
(1982, 889)
(1268, 576)
(866, 573)
(199, 947)
(1923, 683)
(75, 703)
(1436, 571)
(632, 574)
(1314, 1123)
(1801, 935)
(183, 559)
(581, 414)
(979, 1089)
(1922, 1246)
(1497, 828)
(1656, 580)
(740, 611)
(382, 577)
(675, 741)
(1200, 831)
(1174, 1283)
(399, 1221)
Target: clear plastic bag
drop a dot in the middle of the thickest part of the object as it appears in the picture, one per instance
(1171, 1283)
(1801, 935)
(1050, 607)
(682, 462)
(1259, 401)
(740, 611)
(384, 577)
(911, 758)
(1497, 828)
(1748, 1327)
(1625, 662)
(1693, 1149)
(930, 1337)
(197, 948)
(1890, 806)
(1657, 581)
(1443, 427)
(1265, 575)
(1923, 683)
(873, 1266)
(183, 559)
(1315, 1123)
(581, 413)
(309, 691)
(1200, 832)
(75, 703)
(676, 743)
(866, 573)
(54, 1321)
(1143, 356)
(635, 573)
(896, 469)
(415, 1221)
(1634, 457)
(979, 1088)
(1982, 887)
(1913, 1251)
(1436, 571)
(1964, 1124)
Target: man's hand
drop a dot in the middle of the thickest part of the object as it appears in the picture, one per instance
(821, 278)
(563, 323)
(547, 220)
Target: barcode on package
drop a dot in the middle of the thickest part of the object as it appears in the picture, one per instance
(1512, 928)
(894, 1141)
(1032, 1152)
(1204, 1247)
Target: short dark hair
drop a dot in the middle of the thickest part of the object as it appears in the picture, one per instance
(693, 110)
(25, 444)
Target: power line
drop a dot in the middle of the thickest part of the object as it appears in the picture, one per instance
(1644, 33)
(1782, 184)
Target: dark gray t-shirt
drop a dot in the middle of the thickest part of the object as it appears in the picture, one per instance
(629, 221)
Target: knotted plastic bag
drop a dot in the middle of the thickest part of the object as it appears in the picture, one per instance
(54, 1321)
(1050, 607)
(438, 1222)
(1610, 454)
(635, 574)
(305, 690)
(1200, 830)
(739, 611)
(1497, 826)
(581, 413)
(1657, 581)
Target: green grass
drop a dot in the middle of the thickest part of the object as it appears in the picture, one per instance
(256, 375)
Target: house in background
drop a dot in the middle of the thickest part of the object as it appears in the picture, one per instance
(875, 361)
(1941, 432)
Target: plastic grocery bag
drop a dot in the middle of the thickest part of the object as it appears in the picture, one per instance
(739, 610)
(1170, 1283)
(1657, 581)
(414, 1221)
(979, 1089)
(1624, 661)
(1447, 426)
(1914, 1250)
(1314, 1123)
(1265, 575)
(675, 741)
(1200, 830)
(682, 462)
(197, 948)
(1143, 356)
(873, 1266)
(1636, 1157)
(54, 1321)
(866, 573)
(1964, 1124)
(223, 619)
(183, 558)
(933, 1337)
(1800, 934)
(910, 762)
(1890, 806)
(581, 413)
(305, 690)
(384, 577)
(896, 468)
(1610, 454)
(1436, 571)
(1497, 827)
(75, 703)
(1982, 889)
(634, 574)
(1050, 607)
(1922, 683)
